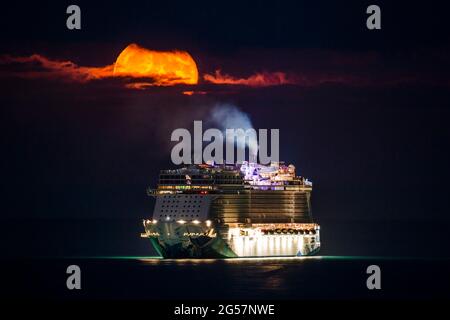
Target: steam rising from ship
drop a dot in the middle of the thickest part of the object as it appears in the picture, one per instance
(228, 116)
(225, 116)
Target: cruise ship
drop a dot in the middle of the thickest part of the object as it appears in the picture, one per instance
(223, 211)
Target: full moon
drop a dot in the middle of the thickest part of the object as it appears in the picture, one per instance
(164, 67)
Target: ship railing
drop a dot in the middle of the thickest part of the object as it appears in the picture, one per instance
(291, 187)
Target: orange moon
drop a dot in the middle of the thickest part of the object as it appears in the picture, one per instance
(166, 68)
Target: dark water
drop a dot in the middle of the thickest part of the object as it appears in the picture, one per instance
(292, 278)
(116, 263)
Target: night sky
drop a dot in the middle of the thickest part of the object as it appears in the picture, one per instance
(365, 117)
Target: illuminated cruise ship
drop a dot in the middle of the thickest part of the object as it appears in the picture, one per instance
(220, 211)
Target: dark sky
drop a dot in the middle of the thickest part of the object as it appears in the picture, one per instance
(375, 144)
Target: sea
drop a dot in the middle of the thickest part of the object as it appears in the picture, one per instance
(115, 263)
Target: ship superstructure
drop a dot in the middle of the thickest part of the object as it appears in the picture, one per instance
(221, 211)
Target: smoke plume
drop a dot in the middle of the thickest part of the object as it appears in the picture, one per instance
(228, 116)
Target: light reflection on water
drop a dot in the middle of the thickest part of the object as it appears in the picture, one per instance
(231, 261)
(307, 277)
(156, 260)
(257, 260)
(277, 276)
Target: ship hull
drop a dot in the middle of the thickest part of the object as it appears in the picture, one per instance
(172, 240)
(214, 249)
